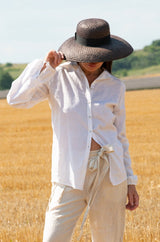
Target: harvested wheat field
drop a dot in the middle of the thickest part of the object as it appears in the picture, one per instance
(25, 169)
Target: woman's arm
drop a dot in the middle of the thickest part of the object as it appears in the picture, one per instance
(31, 86)
(120, 123)
(133, 198)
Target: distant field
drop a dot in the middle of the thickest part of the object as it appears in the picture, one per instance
(146, 72)
(15, 70)
(25, 164)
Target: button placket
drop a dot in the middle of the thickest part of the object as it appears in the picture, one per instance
(89, 115)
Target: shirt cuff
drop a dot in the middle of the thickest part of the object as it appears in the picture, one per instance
(46, 74)
(132, 180)
(48, 66)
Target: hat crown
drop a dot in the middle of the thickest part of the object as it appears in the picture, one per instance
(93, 28)
(92, 42)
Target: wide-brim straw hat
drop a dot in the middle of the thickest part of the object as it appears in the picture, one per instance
(94, 43)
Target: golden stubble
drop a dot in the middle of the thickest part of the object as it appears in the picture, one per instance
(25, 169)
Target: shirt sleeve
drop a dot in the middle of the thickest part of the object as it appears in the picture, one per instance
(31, 87)
(120, 124)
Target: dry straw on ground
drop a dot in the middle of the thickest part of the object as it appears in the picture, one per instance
(25, 164)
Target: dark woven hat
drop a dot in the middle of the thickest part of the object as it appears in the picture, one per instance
(93, 43)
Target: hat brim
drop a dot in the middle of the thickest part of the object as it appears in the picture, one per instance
(117, 48)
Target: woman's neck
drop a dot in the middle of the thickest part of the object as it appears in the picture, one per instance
(91, 75)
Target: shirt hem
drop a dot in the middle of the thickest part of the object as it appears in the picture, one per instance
(62, 182)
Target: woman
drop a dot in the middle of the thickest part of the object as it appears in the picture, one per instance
(91, 166)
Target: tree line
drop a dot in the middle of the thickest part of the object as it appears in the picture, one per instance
(140, 59)
(5, 77)
(148, 56)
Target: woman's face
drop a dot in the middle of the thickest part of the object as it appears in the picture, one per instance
(91, 67)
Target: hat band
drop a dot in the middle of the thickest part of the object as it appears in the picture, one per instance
(92, 42)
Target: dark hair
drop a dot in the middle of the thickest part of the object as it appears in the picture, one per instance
(108, 66)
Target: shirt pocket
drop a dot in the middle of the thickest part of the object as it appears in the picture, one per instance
(104, 111)
(56, 196)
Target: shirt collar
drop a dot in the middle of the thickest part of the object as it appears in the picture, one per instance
(103, 75)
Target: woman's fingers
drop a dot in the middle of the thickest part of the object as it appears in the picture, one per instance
(54, 58)
(62, 55)
(133, 198)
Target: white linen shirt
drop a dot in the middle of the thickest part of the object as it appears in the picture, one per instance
(79, 113)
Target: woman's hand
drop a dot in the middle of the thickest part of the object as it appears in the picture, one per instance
(133, 198)
(54, 58)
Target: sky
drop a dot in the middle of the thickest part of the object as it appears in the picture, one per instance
(30, 28)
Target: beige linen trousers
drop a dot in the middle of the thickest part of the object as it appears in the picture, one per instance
(104, 203)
